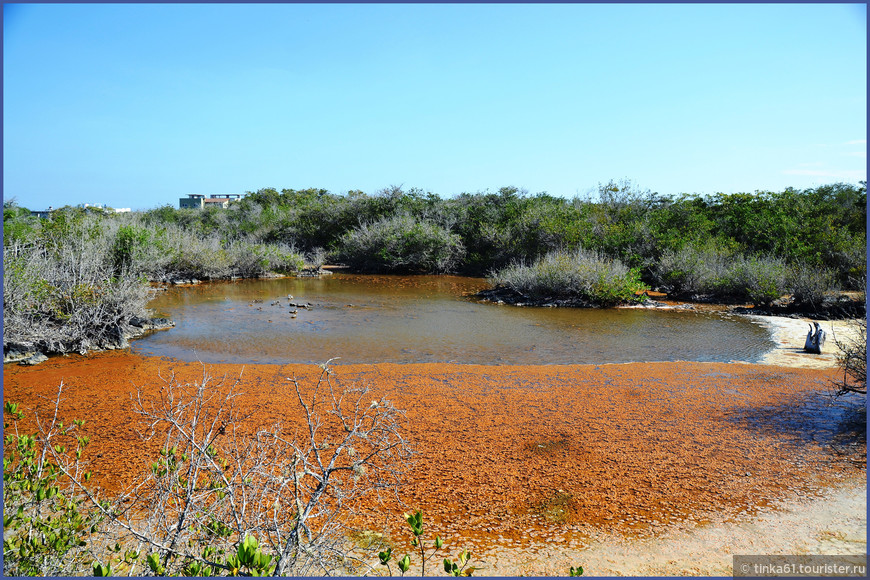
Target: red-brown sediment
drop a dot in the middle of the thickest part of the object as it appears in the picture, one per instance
(522, 452)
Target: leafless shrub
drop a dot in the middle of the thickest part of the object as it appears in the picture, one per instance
(852, 358)
(63, 297)
(316, 258)
(218, 479)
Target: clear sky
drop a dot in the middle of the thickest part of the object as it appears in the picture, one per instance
(138, 105)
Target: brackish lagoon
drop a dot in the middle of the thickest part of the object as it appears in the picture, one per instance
(414, 319)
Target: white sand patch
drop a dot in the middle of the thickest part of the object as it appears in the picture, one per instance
(790, 334)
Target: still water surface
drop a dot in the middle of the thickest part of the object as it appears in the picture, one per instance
(405, 319)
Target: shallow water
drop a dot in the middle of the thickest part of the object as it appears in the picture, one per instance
(404, 319)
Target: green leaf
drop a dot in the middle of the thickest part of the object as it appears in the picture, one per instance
(405, 563)
(154, 563)
(102, 571)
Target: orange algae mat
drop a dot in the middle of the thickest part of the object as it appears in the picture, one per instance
(516, 452)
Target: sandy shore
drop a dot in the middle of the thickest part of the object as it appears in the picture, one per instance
(790, 334)
(658, 468)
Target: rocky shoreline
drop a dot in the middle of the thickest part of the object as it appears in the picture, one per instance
(118, 337)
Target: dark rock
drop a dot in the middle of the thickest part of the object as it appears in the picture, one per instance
(160, 323)
(35, 359)
(116, 339)
(15, 352)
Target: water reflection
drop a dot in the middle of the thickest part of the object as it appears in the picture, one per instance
(367, 319)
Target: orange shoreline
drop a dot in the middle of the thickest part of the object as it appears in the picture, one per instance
(523, 453)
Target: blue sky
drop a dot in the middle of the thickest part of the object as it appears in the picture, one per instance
(138, 105)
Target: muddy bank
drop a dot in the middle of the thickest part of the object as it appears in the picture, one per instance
(516, 456)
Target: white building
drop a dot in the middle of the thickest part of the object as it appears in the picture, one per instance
(198, 200)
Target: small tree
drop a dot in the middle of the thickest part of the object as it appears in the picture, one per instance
(46, 522)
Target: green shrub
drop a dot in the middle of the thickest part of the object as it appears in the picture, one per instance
(129, 248)
(458, 567)
(46, 526)
(807, 285)
(582, 276)
(706, 271)
(249, 260)
(400, 244)
(691, 270)
(759, 280)
(195, 256)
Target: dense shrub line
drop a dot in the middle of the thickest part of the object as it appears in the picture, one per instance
(475, 233)
(400, 243)
(397, 230)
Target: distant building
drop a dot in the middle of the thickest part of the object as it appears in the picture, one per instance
(199, 201)
(43, 213)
